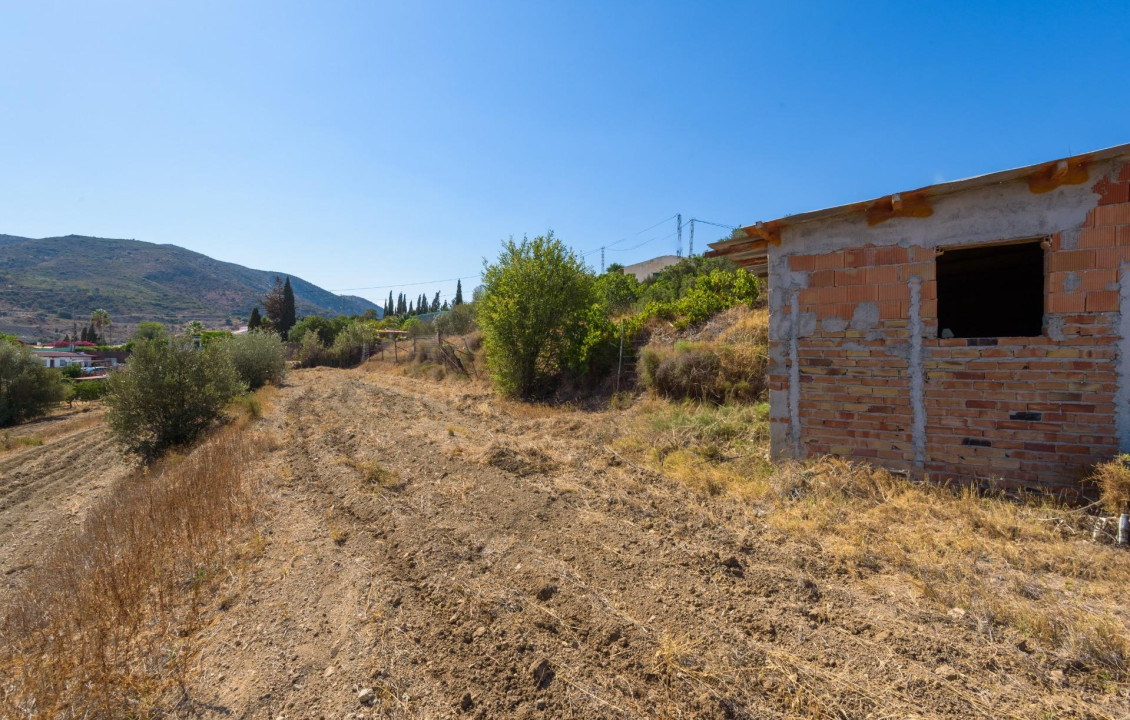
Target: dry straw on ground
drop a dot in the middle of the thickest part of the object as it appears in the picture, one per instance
(101, 628)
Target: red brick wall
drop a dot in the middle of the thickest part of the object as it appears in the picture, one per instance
(1018, 411)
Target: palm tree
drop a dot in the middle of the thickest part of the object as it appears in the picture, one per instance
(100, 319)
(194, 328)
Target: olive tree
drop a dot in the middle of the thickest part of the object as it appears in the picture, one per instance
(258, 357)
(533, 314)
(168, 394)
(27, 388)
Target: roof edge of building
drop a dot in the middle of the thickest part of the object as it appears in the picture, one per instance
(752, 241)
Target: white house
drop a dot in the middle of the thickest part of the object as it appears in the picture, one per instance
(60, 359)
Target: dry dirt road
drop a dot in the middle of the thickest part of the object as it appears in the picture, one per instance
(428, 553)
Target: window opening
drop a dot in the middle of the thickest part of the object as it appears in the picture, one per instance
(991, 291)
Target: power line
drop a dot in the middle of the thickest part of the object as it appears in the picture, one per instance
(645, 242)
(629, 237)
(608, 247)
(400, 285)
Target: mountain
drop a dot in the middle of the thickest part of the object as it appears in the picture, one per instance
(49, 284)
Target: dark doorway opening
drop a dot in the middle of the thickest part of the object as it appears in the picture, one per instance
(992, 291)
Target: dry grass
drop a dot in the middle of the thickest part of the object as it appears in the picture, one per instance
(101, 628)
(1023, 570)
(716, 449)
(45, 430)
(727, 363)
(373, 474)
(1113, 479)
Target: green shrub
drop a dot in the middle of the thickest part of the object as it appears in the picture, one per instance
(313, 351)
(618, 291)
(326, 329)
(72, 371)
(168, 394)
(707, 296)
(258, 357)
(459, 320)
(150, 331)
(347, 348)
(27, 388)
(672, 283)
(89, 390)
(534, 312)
(349, 345)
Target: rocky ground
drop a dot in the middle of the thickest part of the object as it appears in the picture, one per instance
(432, 552)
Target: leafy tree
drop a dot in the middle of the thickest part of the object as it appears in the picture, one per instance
(100, 320)
(458, 293)
(287, 320)
(168, 394)
(194, 328)
(27, 388)
(326, 330)
(533, 313)
(258, 357)
(459, 320)
(274, 303)
(615, 268)
(672, 283)
(708, 295)
(72, 371)
(618, 291)
(255, 320)
(89, 390)
(369, 314)
(150, 331)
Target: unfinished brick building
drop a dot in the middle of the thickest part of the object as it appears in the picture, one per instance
(976, 330)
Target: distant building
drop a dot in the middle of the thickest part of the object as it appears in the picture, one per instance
(110, 358)
(647, 268)
(60, 359)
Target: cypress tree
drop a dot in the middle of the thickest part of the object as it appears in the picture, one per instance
(435, 303)
(286, 322)
(388, 305)
(458, 293)
(255, 320)
(412, 308)
(444, 308)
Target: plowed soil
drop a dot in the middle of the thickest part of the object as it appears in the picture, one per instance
(46, 488)
(434, 553)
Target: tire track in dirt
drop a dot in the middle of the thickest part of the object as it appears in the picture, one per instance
(456, 560)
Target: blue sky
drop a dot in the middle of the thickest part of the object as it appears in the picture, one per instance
(360, 144)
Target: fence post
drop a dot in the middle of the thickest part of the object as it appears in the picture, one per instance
(395, 350)
(620, 360)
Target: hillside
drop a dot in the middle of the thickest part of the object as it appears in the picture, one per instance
(50, 283)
